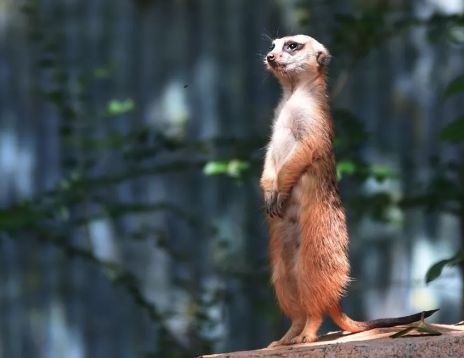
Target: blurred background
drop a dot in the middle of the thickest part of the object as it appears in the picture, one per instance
(132, 134)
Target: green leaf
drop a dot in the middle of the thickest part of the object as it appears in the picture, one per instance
(102, 72)
(422, 328)
(20, 216)
(351, 132)
(425, 328)
(403, 332)
(435, 271)
(56, 96)
(236, 167)
(116, 107)
(381, 172)
(233, 168)
(454, 131)
(345, 167)
(456, 86)
(215, 168)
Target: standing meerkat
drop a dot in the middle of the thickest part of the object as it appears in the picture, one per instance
(308, 234)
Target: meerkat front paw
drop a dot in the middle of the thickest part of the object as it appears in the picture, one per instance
(270, 197)
(275, 203)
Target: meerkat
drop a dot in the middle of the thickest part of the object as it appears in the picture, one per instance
(306, 219)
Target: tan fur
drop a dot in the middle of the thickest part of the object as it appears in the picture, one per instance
(308, 235)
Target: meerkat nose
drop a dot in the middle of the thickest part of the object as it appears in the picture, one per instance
(270, 58)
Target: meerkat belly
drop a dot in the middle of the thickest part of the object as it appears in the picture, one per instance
(309, 215)
(319, 233)
(282, 144)
(303, 195)
(303, 191)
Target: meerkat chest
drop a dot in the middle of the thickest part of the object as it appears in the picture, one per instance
(293, 120)
(295, 115)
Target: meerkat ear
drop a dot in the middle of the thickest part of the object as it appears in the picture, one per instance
(323, 58)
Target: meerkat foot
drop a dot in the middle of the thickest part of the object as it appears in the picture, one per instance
(304, 338)
(288, 337)
(299, 339)
(274, 344)
(280, 343)
(309, 333)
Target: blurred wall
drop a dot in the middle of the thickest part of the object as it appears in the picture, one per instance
(194, 70)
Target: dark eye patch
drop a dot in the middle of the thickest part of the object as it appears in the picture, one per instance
(272, 47)
(292, 46)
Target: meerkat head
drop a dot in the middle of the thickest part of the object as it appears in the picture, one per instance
(296, 57)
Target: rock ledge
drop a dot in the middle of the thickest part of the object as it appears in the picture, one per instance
(374, 343)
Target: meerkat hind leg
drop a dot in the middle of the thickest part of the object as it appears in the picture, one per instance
(295, 329)
(309, 332)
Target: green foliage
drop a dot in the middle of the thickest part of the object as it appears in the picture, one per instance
(453, 132)
(455, 87)
(350, 132)
(234, 168)
(377, 171)
(362, 32)
(104, 72)
(350, 139)
(355, 36)
(435, 271)
(117, 107)
(345, 167)
(422, 328)
(374, 26)
(85, 193)
(444, 190)
(381, 172)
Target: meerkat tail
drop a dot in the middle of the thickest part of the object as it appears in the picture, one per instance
(350, 325)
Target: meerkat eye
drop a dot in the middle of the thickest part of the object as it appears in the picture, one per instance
(292, 46)
(272, 47)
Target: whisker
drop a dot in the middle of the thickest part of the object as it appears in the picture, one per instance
(266, 36)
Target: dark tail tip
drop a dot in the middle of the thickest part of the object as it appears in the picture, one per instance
(390, 322)
(429, 313)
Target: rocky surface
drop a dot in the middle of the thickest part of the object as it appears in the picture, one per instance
(374, 343)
